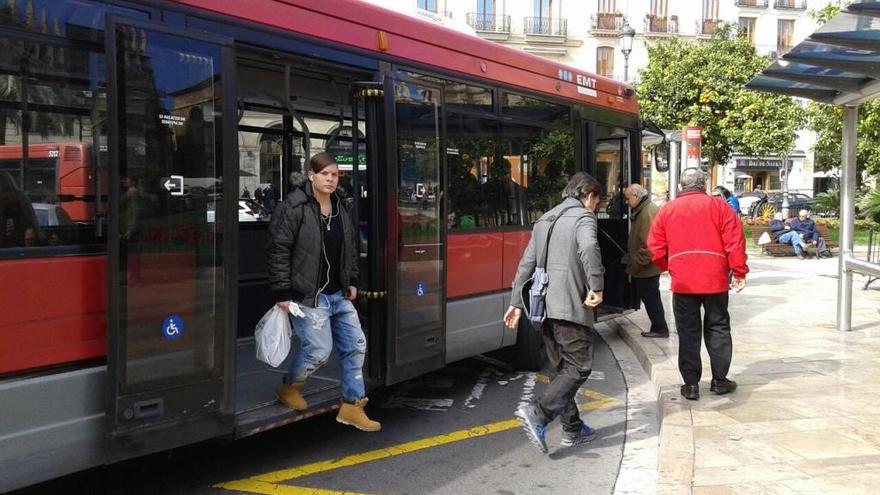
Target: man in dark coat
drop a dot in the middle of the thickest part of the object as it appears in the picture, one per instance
(645, 274)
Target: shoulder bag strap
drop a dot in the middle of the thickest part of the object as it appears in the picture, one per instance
(542, 263)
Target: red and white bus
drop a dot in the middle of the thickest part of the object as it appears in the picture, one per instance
(131, 330)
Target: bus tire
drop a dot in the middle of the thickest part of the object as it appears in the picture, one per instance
(528, 352)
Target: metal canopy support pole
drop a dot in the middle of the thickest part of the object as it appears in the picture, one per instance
(847, 216)
(674, 169)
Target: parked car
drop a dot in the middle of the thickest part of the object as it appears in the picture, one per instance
(248, 211)
(765, 208)
(747, 199)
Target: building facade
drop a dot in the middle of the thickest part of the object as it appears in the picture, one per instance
(586, 34)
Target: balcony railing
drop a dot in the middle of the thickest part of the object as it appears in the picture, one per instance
(546, 26)
(606, 21)
(661, 25)
(489, 23)
(755, 4)
(708, 27)
(790, 4)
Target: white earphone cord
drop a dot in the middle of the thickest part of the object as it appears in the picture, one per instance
(324, 252)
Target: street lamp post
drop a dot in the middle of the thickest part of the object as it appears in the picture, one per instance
(626, 44)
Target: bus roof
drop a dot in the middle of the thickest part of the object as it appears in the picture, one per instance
(361, 25)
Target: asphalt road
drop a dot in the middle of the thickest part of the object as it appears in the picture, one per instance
(451, 432)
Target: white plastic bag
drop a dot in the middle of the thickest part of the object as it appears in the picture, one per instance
(764, 239)
(273, 336)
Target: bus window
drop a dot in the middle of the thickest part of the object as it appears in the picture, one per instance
(479, 183)
(535, 110)
(541, 161)
(48, 151)
(612, 163)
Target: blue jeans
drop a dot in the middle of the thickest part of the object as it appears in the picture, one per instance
(794, 239)
(333, 322)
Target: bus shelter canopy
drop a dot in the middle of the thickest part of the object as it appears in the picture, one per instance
(838, 64)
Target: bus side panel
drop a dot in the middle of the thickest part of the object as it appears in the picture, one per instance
(514, 246)
(474, 266)
(52, 426)
(474, 326)
(58, 316)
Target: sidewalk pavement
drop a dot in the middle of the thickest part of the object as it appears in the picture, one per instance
(806, 416)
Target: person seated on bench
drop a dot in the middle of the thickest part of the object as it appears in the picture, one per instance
(806, 227)
(782, 233)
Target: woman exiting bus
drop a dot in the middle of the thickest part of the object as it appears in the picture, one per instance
(312, 260)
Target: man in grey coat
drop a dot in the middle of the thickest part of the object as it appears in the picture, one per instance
(576, 278)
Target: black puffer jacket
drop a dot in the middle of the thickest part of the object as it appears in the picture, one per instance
(296, 241)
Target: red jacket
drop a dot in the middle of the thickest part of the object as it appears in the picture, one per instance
(698, 238)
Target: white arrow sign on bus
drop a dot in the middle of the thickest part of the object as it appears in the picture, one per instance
(174, 185)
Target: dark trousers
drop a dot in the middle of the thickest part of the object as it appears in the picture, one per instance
(714, 327)
(569, 349)
(648, 289)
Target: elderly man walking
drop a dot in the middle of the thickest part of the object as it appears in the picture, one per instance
(564, 240)
(645, 274)
(700, 240)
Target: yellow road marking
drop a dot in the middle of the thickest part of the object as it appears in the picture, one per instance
(268, 483)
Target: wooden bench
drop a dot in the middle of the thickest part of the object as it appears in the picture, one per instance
(779, 249)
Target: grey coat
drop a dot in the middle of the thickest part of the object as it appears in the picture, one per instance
(574, 263)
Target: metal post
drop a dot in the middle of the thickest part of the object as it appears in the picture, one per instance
(847, 216)
(785, 201)
(625, 67)
(674, 170)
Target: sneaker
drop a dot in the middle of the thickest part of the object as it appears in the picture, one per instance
(533, 427)
(800, 256)
(722, 386)
(585, 435)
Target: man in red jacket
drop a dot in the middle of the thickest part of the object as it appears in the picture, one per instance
(699, 239)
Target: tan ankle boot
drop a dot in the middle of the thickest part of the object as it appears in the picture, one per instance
(289, 394)
(354, 415)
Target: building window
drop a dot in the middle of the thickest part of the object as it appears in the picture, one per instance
(607, 6)
(710, 9)
(784, 36)
(605, 61)
(429, 5)
(747, 28)
(542, 8)
(659, 8)
(486, 7)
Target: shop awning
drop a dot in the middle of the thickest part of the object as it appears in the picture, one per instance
(839, 63)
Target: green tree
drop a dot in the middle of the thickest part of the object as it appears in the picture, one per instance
(701, 83)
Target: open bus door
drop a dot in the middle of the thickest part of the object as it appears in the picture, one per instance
(416, 342)
(172, 266)
(616, 151)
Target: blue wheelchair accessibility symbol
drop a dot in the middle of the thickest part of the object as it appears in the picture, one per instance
(420, 289)
(172, 327)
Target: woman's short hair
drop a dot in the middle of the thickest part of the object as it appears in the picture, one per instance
(580, 185)
(723, 191)
(321, 161)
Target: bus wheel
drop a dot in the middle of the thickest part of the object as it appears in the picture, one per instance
(528, 352)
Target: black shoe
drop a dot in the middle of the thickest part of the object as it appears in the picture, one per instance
(656, 335)
(722, 386)
(690, 392)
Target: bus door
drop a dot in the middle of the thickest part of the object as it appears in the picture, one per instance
(169, 355)
(417, 231)
(611, 146)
